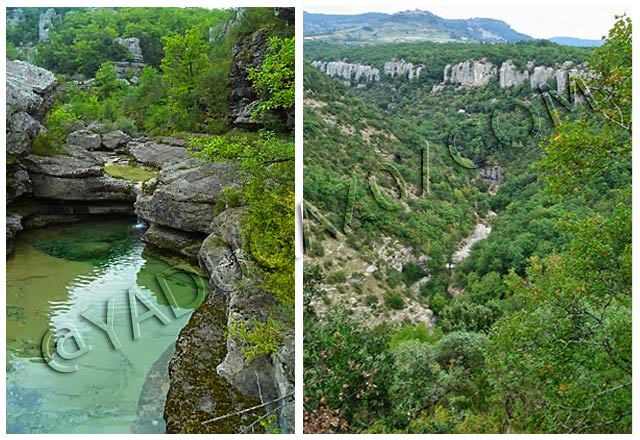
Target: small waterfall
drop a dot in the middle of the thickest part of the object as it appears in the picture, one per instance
(140, 223)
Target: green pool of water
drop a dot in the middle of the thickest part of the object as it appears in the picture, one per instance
(54, 277)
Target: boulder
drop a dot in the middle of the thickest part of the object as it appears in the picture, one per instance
(14, 224)
(115, 139)
(185, 195)
(85, 139)
(22, 132)
(226, 225)
(155, 154)
(30, 94)
(18, 182)
(178, 242)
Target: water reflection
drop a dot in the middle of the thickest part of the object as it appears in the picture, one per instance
(54, 276)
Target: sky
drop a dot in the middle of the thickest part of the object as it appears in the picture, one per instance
(539, 19)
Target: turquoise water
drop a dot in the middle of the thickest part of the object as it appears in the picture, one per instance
(96, 269)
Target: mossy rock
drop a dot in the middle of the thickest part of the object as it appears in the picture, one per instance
(128, 172)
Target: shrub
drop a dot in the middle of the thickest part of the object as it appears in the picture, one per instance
(394, 300)
(60, 122)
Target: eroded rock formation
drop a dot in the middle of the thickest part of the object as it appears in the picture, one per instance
(30, 95)
(473, 73)
(45, 22)
(355, 72)
(401, 68)
(470, 73)
(510, 75)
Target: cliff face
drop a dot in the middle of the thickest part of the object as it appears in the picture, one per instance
(362, 73)
(477, 73)
(30, 95)
(348, 71)
(209, 374)
(400, 68)
(471, 73)
(247, 53)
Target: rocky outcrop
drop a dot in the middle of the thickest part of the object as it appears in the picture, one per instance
(470, 73)
(76, 176)
(540, 75)
(510, 76)
(156, 154)
(401, 68)
(18, 181)
(227, 381)
(128, 71)
(184, 244)
(286, 14)
(351, 72)
(492, 174)
(185, 195)
(30, 95)
(247, 53)
(13, 224)
(150, 418)
(132, 44)
(45, 22)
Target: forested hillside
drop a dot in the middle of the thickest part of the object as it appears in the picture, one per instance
(468, 237)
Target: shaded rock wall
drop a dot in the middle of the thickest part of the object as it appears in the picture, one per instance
(30, 95)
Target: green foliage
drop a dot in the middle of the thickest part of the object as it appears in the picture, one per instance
(184, 67)
(82, 40)
(536, 334)
(53, 140)
(257, 338)
(346, 373)
(393, 300)
(337, 277)
(184, 86)
(274, 81)
(12, 52)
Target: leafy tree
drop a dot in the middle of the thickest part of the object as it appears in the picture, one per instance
(563, 362)
(274, 80)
